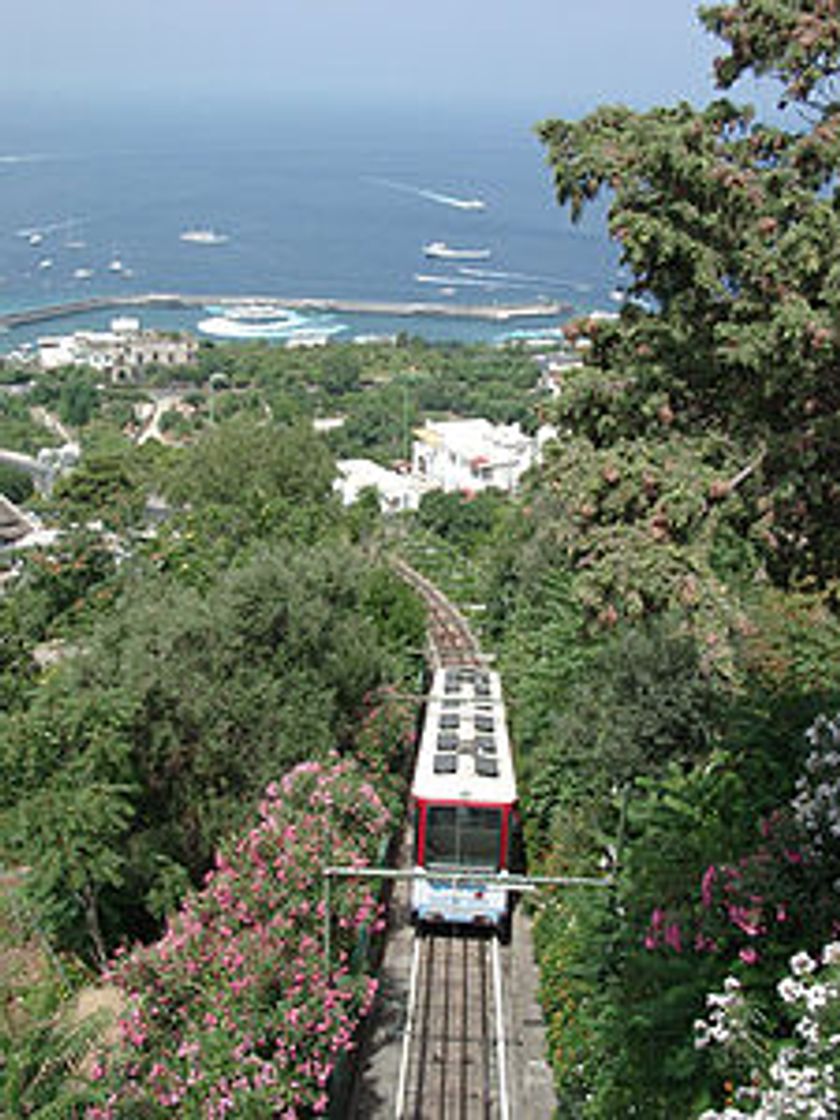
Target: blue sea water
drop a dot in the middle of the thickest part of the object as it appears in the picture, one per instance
(314, 201)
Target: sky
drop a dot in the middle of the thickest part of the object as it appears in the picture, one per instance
(547, 57)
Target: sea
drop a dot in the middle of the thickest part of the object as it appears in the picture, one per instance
(301, 200)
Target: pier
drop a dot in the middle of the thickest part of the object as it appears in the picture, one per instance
(500, 313)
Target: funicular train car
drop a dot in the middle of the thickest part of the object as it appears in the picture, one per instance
(463, 801)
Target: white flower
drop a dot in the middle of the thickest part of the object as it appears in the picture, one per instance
(790, 990)
(801, 964)
(816, 997)
(809, 1030)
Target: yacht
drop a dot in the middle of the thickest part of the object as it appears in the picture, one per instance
(442, 251)
(83, 273)
(204, 237)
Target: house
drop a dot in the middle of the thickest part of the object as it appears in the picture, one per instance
(397, 492)
(123, 352)
(471, 455)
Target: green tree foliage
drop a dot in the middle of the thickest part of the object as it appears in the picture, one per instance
(694, 486)
(731, 227)
(139, 752)
(15, 484)
(106, 488)
(43, 1050)
(66, 806)
(250, 478)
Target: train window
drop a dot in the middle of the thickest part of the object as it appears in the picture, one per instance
(463, 836)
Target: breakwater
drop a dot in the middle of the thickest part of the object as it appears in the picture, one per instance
(494, 312)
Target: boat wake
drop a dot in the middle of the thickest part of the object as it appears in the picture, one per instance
(452, 200)
(448, 281)
(267, 321)
(34, 157)
(523, 278)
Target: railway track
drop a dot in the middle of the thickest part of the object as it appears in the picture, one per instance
(451, 640)
(454, 1060)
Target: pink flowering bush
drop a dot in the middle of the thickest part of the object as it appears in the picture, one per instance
(386, 738)
(235, 1010)
(785, 890)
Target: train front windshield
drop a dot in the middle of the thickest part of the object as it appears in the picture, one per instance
(463, 836)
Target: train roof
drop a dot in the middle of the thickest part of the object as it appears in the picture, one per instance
(466, 682)
(464, 750)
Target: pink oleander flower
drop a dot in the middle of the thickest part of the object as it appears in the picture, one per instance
(672, 937)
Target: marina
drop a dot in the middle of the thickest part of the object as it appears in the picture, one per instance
(494, 312)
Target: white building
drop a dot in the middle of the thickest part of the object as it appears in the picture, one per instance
(397, 492)
(123, 352)
(471, 455)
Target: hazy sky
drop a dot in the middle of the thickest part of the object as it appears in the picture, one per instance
(547, 56)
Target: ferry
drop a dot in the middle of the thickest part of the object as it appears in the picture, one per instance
(267, 321)
(204, 237)
(441, 251)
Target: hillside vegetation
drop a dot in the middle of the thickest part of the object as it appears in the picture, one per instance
(196, 715)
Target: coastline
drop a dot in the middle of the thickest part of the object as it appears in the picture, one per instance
(500, 313)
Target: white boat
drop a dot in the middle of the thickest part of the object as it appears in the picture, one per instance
(45, 263)
(453, 200)
(266, 321)
(203, 237)
(467, 203)
(116, 265)
(35, 238)
(261, 313)
(442, 251)
(83, 273)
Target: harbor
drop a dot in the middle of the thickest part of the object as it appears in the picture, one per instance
(490, 312)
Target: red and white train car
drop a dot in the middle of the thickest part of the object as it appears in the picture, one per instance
(464, 801)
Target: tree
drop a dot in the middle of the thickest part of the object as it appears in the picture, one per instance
(731, 229)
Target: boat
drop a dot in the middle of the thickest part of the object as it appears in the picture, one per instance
(45, 263)
(35, 238)
(453, 200)
(83, 273)
(259, 313)
(116, 265)
(267, 321)
(204, 237)
(442, 251)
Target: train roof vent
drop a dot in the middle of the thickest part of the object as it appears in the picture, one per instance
(484, 723)
(447, 742)
(486, 767)
(445, 763)
(449, 720)
(485, 744)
